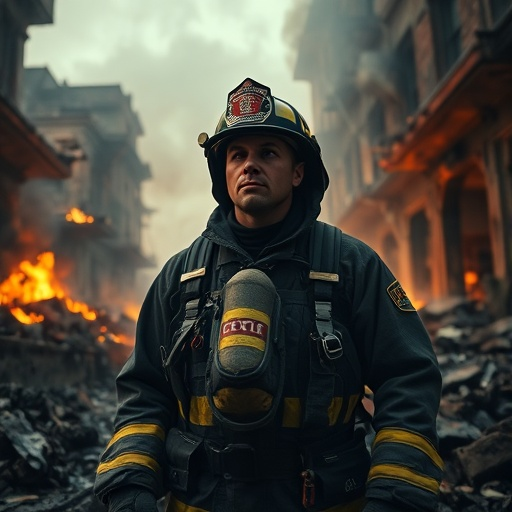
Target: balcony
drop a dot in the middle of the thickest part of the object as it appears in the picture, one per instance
(40, 12)
(476, 87)
(26, 153)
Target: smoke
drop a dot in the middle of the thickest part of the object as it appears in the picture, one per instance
(178, 61)
(293, 27)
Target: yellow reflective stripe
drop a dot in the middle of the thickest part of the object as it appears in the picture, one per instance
(353, 506)
(334, 410)
(283, 110)
(242, 401)
(253, 314)
(352, 402)
(242, 340)
(180, 407)
(395, 435)
(178, 506)
(404, 474)
(200, 411)
(292, 412)
(175, 505)
(129, 458)
(149, 429)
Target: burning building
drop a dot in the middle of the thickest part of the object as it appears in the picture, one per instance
(71, 217)
(412, 107)
(96, 218)
(24, 153)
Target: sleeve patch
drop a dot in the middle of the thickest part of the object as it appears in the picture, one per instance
(399, 297)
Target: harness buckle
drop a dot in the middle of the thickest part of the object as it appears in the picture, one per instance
(332, 346)
(234, 461)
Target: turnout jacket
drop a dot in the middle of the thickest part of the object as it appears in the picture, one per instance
(313, 439)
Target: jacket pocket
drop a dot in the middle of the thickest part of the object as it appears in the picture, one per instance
(338, 475)
(183, 457)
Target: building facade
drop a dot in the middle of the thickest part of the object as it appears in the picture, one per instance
(412, 106)
(24, 154)
(100, 249)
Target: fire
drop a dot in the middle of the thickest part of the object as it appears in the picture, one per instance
(33, 283)
(24, 318)
(132, 311)
(79, 217)
(473, 286)
(106, 335)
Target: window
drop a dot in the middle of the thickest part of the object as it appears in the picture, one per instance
(446, 30)
(406, 71)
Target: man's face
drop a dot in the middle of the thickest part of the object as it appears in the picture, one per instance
(261, 174)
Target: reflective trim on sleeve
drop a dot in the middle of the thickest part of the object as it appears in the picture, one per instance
(405, 474)
(395, 435)
(149, 429)
(127, 459)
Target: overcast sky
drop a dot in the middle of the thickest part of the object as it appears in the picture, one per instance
(178, 60)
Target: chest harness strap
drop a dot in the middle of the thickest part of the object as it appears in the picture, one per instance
(326, 344)
(193, 299)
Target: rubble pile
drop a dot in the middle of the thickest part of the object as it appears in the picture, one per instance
(51, 438)
(50, 443)
(475, 417)
(61, 347)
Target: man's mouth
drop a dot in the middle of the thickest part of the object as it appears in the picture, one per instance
(247, 184)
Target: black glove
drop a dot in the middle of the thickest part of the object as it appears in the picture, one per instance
(128, 499)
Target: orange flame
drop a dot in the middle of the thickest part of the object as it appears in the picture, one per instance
(34, 283)
(24, 318)
(132, 311)
(473, 286)
(79, 217)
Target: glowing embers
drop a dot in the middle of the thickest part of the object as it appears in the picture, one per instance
(79, 217)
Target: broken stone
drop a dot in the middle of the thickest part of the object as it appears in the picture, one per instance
(469, 374)
(30, 445)
(487, 458)
(455, 433)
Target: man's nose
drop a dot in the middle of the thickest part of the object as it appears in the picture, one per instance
(251, 166)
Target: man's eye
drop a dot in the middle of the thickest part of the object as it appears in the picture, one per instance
(268, 153)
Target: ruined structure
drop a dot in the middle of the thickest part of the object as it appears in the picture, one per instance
(412, 106)
(24, 154)
(98, 215)
(71, 217)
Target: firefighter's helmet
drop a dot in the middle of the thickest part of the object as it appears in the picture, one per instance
(251, 109)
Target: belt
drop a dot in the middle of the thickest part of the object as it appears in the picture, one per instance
(244, 462)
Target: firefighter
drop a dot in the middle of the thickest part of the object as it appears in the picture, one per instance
(255, 346)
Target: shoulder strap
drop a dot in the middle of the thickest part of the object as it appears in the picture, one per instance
(325, 250)
(194, 272)
(327, 345)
